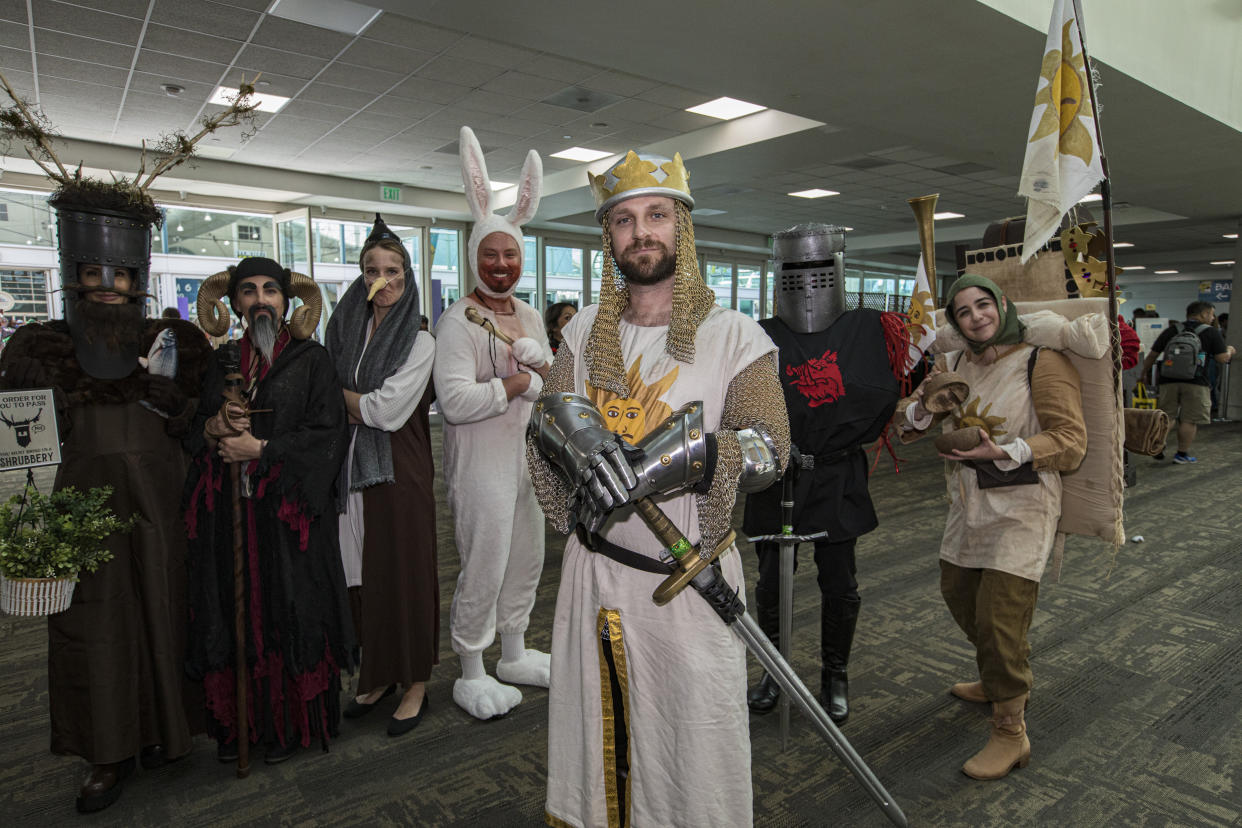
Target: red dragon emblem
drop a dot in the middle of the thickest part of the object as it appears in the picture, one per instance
(818, 379)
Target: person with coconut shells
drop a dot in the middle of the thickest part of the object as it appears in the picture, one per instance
(1020, 426)
(290, 441)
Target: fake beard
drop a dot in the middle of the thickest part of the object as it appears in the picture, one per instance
(262, 331)
(110, 325)
(512, 272)
(651, 271)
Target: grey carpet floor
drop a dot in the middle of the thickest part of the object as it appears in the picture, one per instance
(1134, 719)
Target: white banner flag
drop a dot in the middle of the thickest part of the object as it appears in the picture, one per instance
(1062, 153)
(922, 324)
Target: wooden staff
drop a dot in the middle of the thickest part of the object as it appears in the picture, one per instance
(233, 383)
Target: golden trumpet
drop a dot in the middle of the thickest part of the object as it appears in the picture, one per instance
(924, 208)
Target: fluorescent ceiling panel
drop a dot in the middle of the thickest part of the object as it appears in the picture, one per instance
(726, 109)
(947, 215)
(1122, 244)
(1164, 272)
(1224, 262)
(266, 102)
(338, 15)
(1089, 197)
(1135, 267)
(815, 193)
(581, 154)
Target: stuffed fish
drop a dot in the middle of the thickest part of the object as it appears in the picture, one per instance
(161, 360)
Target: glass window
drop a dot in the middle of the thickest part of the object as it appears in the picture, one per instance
(719, 277)
(445, 270)
(327, 241)
(355, 236)
(195, 232)
(26, 219)
(748, 290)
(528, 284)
(905, 287)
(563, 273)
(597, 275)
(291, 239)
(28, 290)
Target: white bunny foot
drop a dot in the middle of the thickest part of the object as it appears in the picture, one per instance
(485, 698)
(532, 669)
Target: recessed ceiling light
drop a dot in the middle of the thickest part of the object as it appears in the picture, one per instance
(846, 229)
(581, 154)
(172, 90)
(1224, 262)
(265, 102)
(180, 229)
(947, 215)
(1231, 235)
(726, 109)
(1164, 272)
(815, 193)
(500, 185)
(1122, 244)
(1090, 197)
(1135, 267)
(337, 15)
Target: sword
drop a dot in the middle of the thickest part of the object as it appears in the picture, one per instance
(710, 584)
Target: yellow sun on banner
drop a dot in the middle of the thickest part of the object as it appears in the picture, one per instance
(971, 416)
(1066, 99)
(920, 312)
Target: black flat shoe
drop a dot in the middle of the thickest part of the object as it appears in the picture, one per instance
(103, 786)
(153, 756)
(356, 709)
(399, 727)
(277, 754)
(835, 696)
(763, 697)
(226, 752)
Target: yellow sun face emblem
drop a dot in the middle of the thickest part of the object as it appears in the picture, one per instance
(1066, 99)
(633, 416)
(920, 313)
(969, 416)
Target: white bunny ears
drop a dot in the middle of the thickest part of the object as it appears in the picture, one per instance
(479, 195)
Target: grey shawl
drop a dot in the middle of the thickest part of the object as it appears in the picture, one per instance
(346, 340)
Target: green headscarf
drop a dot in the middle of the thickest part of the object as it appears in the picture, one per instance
(1011, 328)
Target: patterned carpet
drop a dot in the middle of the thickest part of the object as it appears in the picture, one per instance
(1134, 719)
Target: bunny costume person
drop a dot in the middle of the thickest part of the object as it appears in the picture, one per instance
(486, 389)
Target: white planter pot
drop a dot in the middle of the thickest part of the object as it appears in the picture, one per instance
(35, 596)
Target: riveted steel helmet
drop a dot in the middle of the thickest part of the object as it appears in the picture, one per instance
(809, 269)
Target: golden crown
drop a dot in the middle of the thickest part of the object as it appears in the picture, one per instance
(637, 175)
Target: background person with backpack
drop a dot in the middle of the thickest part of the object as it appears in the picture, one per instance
(1182, 373)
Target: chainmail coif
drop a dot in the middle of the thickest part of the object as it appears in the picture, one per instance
(692, 300)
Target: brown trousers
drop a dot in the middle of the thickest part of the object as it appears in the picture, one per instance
(994, 609)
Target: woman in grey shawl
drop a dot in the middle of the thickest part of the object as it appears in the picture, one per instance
(387, 524)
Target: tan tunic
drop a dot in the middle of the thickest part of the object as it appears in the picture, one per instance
(1012, 528)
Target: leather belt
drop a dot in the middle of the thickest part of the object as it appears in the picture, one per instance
(620, 554)
(810, 461)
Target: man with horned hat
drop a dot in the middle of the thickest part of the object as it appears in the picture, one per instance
(647, 713)
(485, 389)
(288, 435)
(115, 657)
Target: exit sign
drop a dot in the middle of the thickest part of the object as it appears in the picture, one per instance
(388, 193)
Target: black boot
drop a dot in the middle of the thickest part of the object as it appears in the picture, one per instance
(762, 698)
(838, 618)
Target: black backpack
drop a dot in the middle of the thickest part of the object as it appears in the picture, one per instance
(1181, 356)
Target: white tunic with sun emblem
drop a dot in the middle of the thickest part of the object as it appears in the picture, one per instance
(682, 672)
(1011, 528)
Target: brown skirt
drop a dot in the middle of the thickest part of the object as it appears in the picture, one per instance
(400, 593)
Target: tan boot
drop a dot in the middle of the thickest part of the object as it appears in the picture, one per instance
(971, 691)
(1007, 748)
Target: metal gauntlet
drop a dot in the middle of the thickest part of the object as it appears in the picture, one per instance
(674, 455)
(569, 431)
(760, 465)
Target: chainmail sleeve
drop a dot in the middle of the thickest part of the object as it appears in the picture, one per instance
(755, 399)
(555, 497)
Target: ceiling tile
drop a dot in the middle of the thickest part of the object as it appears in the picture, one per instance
(491, 102)
(290, 35)
(206, 17)
(548, 114)
(174, 67)
(152, 84)
(490, 52)
(14, 10)
(190, 44)
(14, 35)
(426, 89)
(377, 55)
(620, 83)
(680, 121)
(374, 119)
(327, 93)
(636, 110)
(372, 81)
(72, 69)
(62, 17)
(402, 31)
(301, 108)
(407, 110)
(258, 58)
(522, 85)
(84, 49)
(455, 70)
(675, 96)
(570, 71)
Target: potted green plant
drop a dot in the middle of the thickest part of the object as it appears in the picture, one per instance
(47, 540)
